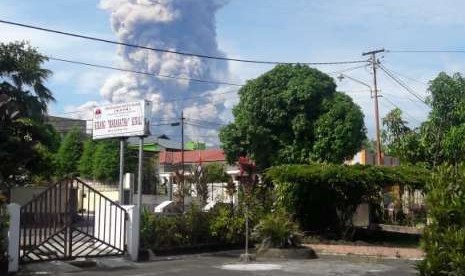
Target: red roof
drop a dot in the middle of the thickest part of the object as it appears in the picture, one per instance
(193, 156)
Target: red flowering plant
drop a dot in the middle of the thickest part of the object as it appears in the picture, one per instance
(248, 179)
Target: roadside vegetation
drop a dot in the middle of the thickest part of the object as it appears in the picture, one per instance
(298, 130)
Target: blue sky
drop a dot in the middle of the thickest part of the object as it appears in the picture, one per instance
(284, 30)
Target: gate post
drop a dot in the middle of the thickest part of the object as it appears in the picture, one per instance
(132, 232)
(14, 211)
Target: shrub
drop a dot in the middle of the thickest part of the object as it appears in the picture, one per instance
(161, 232)
(227, 227)
(277, 230)
(444, 236)
(324, 197)
(221, 226)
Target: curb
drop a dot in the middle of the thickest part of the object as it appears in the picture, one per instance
(392, 253)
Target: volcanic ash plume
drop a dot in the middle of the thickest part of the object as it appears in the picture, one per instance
(179, 25)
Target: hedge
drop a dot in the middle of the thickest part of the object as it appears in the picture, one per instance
(324, 197)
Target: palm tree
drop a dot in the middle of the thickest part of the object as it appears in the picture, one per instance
(23, 106)
(22, 78)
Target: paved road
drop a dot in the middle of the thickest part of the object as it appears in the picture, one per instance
(225, 264)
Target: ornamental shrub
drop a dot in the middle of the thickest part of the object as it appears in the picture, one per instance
(226, 226)
(324, 197)
(444, 236)
(277, 230)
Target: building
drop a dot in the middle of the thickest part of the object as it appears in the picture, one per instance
(365, 157)
(65, 125)
(396, 199)
(171, 162)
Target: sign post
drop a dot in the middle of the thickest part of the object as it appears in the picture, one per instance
(121, 171)
(121, 121)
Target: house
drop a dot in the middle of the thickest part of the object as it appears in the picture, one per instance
(156, 144)
(170, 162)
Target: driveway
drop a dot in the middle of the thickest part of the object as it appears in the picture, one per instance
(226, 263)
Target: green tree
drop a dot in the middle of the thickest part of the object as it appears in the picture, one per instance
(106, 160)
(86, 162)
(395, 129)
(401, 141)
(69, 153)
(23, 104)
(293, 114)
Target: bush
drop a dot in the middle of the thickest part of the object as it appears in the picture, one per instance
(221, 226)
(444, 236)
(277, 230)
(227, 227)
(324, 197)
(193, 228)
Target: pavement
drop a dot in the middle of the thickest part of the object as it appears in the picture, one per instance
(226, 263)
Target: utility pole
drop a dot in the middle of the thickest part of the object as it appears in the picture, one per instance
(374, 64)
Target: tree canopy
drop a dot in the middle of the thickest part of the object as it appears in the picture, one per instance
(293, 114)
(26, 142)
(439, 139)
(69, 153)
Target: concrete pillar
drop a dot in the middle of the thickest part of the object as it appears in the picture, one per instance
(13, 237)
(132, 232)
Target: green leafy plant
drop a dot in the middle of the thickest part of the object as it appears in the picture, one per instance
(444, 236)
(227, 227)
(277, 230)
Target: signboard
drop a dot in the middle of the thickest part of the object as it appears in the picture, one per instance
(122, 120)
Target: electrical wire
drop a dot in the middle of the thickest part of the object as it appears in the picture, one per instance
(402, 84)
(201, 125)
(406, 77)
(425, 51)
(183, 53)
(204, 121)
(143, 72)
(405, 112)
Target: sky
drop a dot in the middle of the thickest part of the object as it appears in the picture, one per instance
(279, 30)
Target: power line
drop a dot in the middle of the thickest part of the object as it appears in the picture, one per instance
(425, 51)
(204, 121)
(202, 125)
(143, 72)
(405, 112)
(402, 84)
(172, 51)
(407, 77)
(170, 100)
(347, 69)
